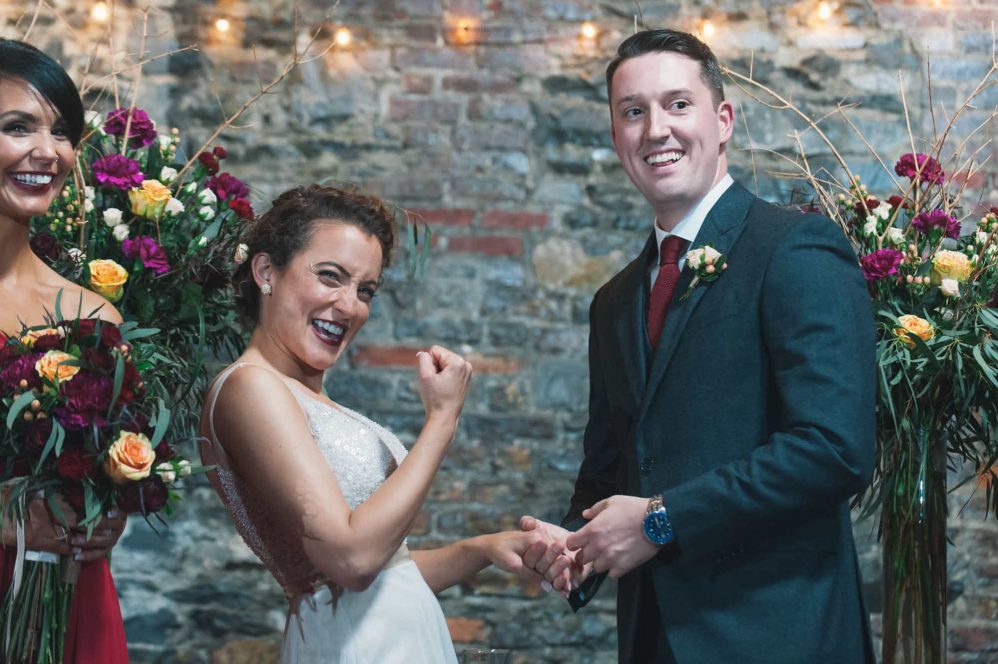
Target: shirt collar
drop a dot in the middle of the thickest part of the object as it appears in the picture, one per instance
(689, 226)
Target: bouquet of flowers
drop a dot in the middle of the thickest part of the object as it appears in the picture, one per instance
(78, 423)
(932, 271)
(158, 239)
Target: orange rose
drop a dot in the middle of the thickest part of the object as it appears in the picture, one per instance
(913, 325)
(32, 336)
(130, 458)
(149, 200)
(50, 366)
(108, 278)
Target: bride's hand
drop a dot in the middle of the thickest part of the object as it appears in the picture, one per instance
(443, 382)
(105, 536)
(42, 531)
(506, 549)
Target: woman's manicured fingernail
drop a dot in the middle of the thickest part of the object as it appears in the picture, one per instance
(546, 587)
(77, 554)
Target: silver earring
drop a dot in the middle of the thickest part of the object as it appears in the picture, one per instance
(266, 289)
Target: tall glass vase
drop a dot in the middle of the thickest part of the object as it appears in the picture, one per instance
(913, 537)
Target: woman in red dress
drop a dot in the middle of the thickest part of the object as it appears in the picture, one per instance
(41, 123)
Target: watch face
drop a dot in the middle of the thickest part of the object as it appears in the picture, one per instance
(657, 528)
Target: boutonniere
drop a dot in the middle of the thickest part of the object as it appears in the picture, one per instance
(707, 264)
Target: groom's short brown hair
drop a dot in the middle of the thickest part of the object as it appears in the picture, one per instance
(670, 41)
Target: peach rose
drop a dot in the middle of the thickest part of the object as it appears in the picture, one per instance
(951, 265)
(149, 200)
(913, 325)
(130, 458)
(108, 278)
(50, 366)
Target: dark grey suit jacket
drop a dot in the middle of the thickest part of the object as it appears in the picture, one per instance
(755, 420)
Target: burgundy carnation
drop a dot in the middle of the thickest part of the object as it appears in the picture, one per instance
(45, 246)
(87, 398)
(898, 202)
(18, 369)
(73, 493)
(36, 434)
(220, 152)
(226, 186)
(47, 342)
(110, 336)
(74, 464)
(871, 204)
(118, 171)
(881, 264)
(145, 248)
(145, 496)
(164, 452)
(909, 165)
(141, 132)
(926, 221)
(243, 208)
(209, 162)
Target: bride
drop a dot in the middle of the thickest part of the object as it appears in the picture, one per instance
(324, 496)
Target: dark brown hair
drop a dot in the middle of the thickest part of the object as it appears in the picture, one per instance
(24, 61)
(670, 41)
(285, 229)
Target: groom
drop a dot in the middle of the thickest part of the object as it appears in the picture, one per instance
(730, 419)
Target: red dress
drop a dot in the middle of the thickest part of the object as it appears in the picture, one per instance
(95, 633)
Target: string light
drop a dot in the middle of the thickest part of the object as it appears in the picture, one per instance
(223, 25)
(824, 11)
(465, 32)
(343, 37)
(589, 30)
(708, 29)
(100, 12)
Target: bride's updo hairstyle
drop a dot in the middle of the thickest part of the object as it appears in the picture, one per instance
(285, 229)
(25, 62)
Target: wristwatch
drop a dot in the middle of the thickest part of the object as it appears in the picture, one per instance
(656, 525)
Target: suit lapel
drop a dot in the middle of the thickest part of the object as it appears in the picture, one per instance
(720, 229)
(629, 302)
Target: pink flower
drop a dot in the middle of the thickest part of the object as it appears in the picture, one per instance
(141, 132)
(881, 264)
(926, 221)
(151, 254)
(909, 166)
(118, 171)
(242, 207)
(226, 186)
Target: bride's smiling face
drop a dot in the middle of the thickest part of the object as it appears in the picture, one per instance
(322, 298)
(35, 151)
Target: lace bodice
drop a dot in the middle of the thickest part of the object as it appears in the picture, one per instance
(361, 455)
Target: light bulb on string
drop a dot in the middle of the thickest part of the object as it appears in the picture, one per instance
(343, 37)
(223, 25)
(589, 30)
(707, 29)
(824, 11)
(100, 12)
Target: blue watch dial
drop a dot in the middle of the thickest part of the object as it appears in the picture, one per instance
(658, 528)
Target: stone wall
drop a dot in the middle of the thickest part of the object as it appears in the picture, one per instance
(487, 121)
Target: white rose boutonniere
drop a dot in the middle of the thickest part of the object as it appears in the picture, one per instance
(707, 264)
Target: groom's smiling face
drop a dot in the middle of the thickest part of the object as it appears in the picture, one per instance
(668, 131)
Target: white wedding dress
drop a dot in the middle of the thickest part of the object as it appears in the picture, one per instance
(397, 618)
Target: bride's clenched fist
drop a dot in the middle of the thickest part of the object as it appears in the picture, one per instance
(444, 377)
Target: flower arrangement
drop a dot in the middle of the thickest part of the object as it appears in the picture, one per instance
(80, 424)
(932, 271)
(157, 238)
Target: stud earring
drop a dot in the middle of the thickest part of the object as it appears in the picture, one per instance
(266, 289)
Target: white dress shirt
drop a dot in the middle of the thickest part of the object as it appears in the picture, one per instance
(689, 226)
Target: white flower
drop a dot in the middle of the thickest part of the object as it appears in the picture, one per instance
(697, 258)
(981, 237)
(165, 141)
(120, 232)
(950, 288)
(76, 255)
(174, 207)
(112, 217)
(206, 213)
(242, 253)
(93, 119)
(191, 187)
(89, 193)
(207, 197)
(183, 467)
(870, 228)
(883, 210)
(88, 205)
(167, 175)
(202, 241)
(895, 235)
(166, 472)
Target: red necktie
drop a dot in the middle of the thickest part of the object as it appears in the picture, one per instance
(664, 287)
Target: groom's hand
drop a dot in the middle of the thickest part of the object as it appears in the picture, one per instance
(613, 540)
